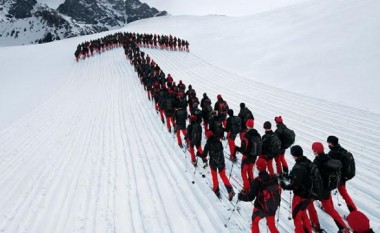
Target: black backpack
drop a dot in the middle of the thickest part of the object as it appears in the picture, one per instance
(216, 151)
(348, 165)
(218, 128)
(235, 125)
(269, 196)
(314, 183)
(196, 133)
(223, 108)
(275, 145)
(288, 138)
(256, 146)
(332, 168)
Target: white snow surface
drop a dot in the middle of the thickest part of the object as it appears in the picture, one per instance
(219, 7)
(82, 149)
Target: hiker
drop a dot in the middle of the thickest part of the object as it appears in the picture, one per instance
(296, 181)
(214, 148)
(348, 171)
(330, 175)
(250, 148)
(266, 192)
(233, 128)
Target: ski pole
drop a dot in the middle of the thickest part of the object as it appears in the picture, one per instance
(232, 167)
(233, 210)
(290, 206)
(195, 169)
(278, 215)
(337, 197)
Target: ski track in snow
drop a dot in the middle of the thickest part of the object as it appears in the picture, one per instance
(95, 157)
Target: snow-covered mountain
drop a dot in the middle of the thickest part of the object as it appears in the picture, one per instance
(83, 150)
(28, 21)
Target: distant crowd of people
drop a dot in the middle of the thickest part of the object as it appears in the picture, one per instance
(184, 113)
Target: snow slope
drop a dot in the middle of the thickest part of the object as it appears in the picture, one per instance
(72, 157)
(219, 7)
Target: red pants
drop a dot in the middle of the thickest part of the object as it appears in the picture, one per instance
(343, 192)
(179, 140)
(231, 144)
(328, 206)
(313, 215)
(192, 153)
(162, 111)
(168, 120)
(270, 166)
(281, 163)
(222, 174)
(300, 218)
(247, 173)
(256, 217)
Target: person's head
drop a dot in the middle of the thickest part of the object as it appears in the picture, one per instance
(358, 222)
(180, 81)
(190, 87)
(332, 141)
(250, 124)
(317, 148)
(242, 105)
(219, 96)
(261, 164)
(278, 119)
(296, 151)
(204, 95)
(230, 112)
(195, 105)
(267, 126)
(214, 113)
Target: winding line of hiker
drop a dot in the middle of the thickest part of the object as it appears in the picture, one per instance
(309, 181)
(87, 48)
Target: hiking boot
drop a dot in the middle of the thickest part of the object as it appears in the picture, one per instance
(194, 163)
(244, 191)
(180, 145)
(233, 159)
(217, 193)
(344, 230)
(231, 195)
(170, 130)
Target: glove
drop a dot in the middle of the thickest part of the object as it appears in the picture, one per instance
(284, 185)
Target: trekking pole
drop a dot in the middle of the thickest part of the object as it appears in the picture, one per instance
(337, 197)
(278, 215)
(195, 169)
(229, 177)
(233, 210)
(290, 205)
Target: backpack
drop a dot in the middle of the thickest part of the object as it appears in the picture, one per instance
(216, 152)
(314, 183)
(333, 168)
(275, 145)
(348, 165)
(269, 197)
(235, 125)
(196, 133)
(256, 146)
(218, 128)
(223, 108)
(247, 115)
(288, 138)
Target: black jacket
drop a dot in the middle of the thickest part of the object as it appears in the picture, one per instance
(214, 148)
(319, 161)
(298, 178)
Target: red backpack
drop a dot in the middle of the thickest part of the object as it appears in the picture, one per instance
(269, 196)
